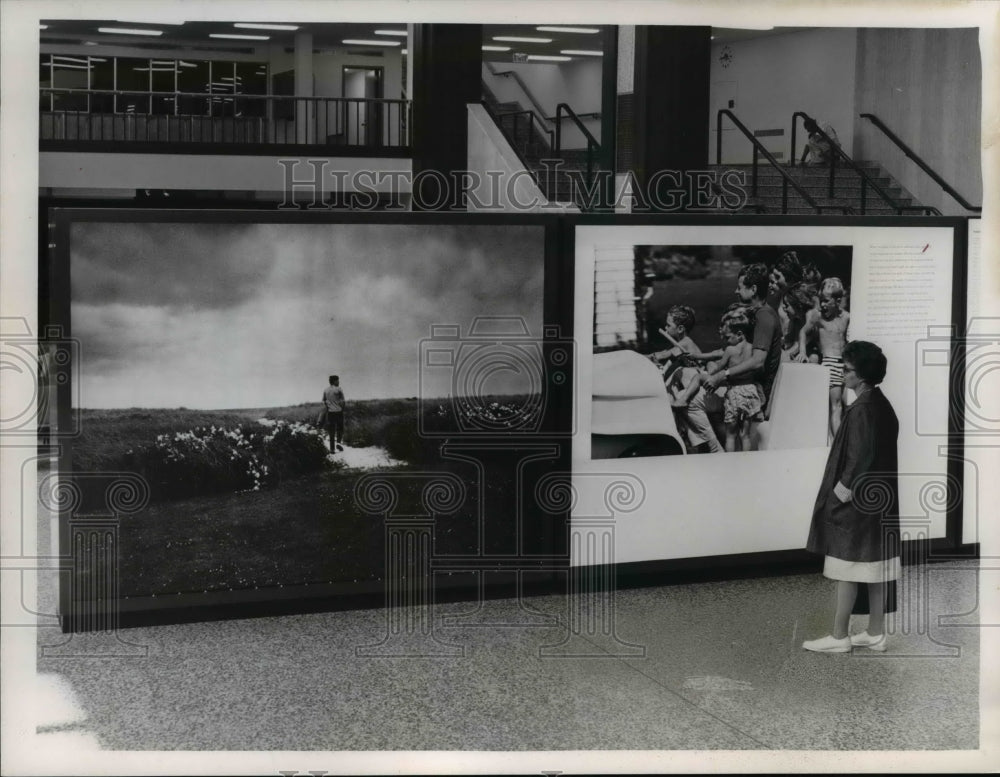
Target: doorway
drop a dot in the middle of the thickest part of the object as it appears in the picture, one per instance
(364, 119)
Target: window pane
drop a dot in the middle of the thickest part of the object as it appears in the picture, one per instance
(223, 74)
(44, 82)
(133, 76)
(192, 78)
(102, 76)
(251, 79)
(163, 77)
(70, 73)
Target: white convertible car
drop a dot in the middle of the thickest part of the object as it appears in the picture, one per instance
(631, 413)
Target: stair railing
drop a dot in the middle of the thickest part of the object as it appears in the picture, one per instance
(512, 140)
(534, 129)
(758, 150)
(866, 179)
(593, 147)
(921, 163)
(535, 105)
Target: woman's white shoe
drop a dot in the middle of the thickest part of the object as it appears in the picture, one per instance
(864, 639)
(828, 644)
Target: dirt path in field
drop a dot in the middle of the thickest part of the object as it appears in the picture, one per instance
(365, 458)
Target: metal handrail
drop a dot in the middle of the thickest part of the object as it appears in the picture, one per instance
(511, 140)
(533, 127)
(210, 95)
(585, 115)
(591, 140)
(921, 163)
(309, 116)
(538, 110)
(758, 148)
(838, 152)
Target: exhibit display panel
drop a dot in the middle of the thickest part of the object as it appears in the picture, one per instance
(219, 469)
(676, 471)
(515, 396)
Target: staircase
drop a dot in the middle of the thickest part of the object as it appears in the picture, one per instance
(563, 179)
(816, 182)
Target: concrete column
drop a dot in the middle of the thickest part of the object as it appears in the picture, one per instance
(672, 83)
(304, 110)
(446, 61)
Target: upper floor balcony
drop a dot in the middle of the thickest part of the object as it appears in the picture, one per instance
(146, 121)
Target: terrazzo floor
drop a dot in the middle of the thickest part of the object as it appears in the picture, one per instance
(706, 666)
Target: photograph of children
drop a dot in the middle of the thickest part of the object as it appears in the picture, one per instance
(738, 335)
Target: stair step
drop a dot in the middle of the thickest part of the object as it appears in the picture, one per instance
(801, 208)
(774, 193)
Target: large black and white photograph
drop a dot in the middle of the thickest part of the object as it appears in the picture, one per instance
(718, 348)
(250, 374)
(716, 379)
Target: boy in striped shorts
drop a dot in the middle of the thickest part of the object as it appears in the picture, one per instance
(830, 323)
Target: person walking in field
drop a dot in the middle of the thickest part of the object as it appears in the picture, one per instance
(334, 402)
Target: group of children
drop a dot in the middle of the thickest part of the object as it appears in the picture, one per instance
(814, 321)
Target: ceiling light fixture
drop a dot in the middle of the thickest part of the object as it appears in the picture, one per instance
(578, 30)
(397, 33)
(358, 42)
(255, 26)
(236, 36)
(496, 48)
(129, 31)
(548, 58)
(582, 52)
(516, 39)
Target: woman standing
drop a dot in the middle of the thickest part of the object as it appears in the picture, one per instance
(855, 523)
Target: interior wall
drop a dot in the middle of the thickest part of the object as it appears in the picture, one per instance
(328, 69)
(925, 84)
(577, 83)
(770, 77)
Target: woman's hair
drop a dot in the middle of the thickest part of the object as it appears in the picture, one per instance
(834, 287)
(789, 266)
(800, 297)
(811, 274)
(755, 276)
(810, 125)
(683, 315)
(867, 359)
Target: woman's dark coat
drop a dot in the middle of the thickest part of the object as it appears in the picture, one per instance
(863, 458)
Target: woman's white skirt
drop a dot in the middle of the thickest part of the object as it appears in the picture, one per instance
(862, 571)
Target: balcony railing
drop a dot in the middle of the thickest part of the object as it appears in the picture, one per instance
(116, 120)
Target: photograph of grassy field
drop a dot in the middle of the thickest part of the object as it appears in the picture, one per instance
(195, 337)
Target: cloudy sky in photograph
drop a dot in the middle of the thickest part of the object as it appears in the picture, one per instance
(216, 316)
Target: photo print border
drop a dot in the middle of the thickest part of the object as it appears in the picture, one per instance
(675, 566)
(532, 448)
